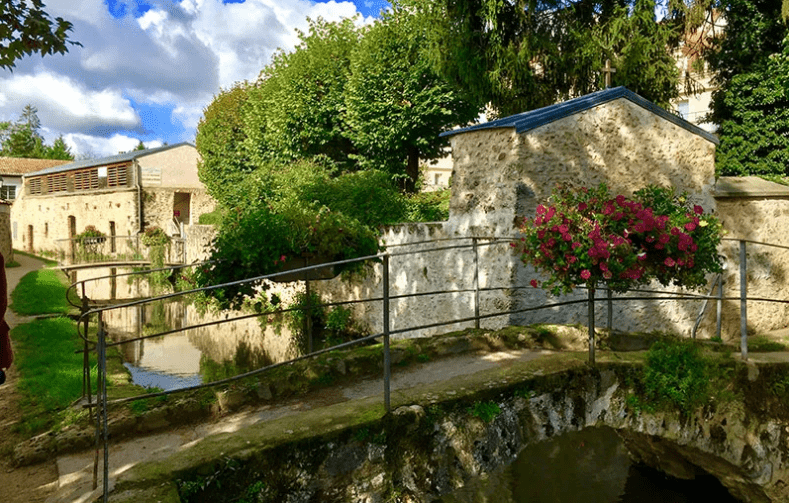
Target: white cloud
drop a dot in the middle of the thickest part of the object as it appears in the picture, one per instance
(95, 146)
(65, 104)
(176, 54)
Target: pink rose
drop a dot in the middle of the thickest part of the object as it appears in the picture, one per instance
(585, 274)
(534, 283)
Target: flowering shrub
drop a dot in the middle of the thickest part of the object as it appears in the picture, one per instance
(155, 236)
(588, 237)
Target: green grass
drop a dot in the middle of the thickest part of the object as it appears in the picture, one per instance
(47, 261)
(50, 373)
(41, 292)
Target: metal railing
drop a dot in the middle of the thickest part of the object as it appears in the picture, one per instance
(473, 245)
(114, 249)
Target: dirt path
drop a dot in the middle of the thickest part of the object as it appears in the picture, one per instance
(30, 484)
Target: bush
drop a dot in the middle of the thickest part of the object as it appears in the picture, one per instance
(678, 375)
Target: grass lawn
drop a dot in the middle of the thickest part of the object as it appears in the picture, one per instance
(50, 373)
(42, 292)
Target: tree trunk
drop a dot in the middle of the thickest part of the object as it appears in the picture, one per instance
(412, 170)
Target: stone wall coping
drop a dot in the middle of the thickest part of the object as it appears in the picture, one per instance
(748, 187)
(533, 119)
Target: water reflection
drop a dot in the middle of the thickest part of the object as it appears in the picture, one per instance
(194, 355)
(592, 466)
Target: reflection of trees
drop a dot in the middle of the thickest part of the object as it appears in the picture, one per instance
(246, 358)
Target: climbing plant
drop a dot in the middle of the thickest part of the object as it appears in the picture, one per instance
(589, 237)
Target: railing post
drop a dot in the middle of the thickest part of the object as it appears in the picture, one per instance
(86, 391)
(591, 326)
(387, 359)
(610, 296)
(99, 403)
(308, 310)
(743, 303)
(718, 319)
(476, 282)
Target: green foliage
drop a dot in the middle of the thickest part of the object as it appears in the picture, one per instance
(296, 109)
(22, 139)
(486, 411)
(26, 28)
(588, 237)
(755, 136)
(213, 218)
(396, 103)
(754, 31)
(41, 292)
(155, 236)
(677, 375)
(220, 134)
(522, 55)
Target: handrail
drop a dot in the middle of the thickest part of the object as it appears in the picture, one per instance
(466, 243)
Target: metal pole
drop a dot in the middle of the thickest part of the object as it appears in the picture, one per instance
(718, 320)
(105, 433)
(98, 409)
(476, 283)
(743, 303)
(591, 326)
(610, 296)
(308, 316)
(387, 360)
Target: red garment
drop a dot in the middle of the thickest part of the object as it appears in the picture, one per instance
(6, 353)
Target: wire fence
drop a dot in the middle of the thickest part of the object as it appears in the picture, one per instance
(91, 311)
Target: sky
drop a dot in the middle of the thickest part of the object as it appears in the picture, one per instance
(147, 68)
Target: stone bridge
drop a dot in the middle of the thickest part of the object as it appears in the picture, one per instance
(432, 443)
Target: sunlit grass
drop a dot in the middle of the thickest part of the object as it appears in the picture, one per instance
(41, 292)
(50, 372)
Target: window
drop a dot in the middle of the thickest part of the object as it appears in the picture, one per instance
(56, 183)
(86, 179)
(34, 185)
(116, 176)
(8, 192)
(683, 107)
(437, 179)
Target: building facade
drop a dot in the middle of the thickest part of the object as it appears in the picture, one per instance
(120, 196)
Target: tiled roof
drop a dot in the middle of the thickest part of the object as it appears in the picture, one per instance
(527, 121)
(88, 163)
(15, 166)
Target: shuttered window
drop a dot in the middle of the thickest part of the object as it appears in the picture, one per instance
(56, 183)
(34, 185)
(116, 176)
(86, 179)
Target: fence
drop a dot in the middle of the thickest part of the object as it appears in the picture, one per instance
(474, 316)
(118, 249)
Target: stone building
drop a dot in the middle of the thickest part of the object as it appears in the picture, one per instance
(12, 169)
(120, 196)
(502, 170)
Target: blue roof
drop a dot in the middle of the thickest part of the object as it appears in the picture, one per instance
(527, 121)
(104, 161)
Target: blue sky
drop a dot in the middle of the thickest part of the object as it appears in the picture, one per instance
(147, 68)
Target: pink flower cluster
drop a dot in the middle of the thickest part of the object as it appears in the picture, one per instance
(589, 237)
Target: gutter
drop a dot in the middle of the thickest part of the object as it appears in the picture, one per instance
(138, 184)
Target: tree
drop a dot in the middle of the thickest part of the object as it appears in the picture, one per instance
(140, 146)
(296, 109)
(523, 54)
(25, 28)
(753, 33)
(220, 140)
(396, 104)
(755, 134)
(22, 139)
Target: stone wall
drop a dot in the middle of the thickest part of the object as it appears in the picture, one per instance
(754, 210)
(49, 217)
(158, 205)
(500, 175)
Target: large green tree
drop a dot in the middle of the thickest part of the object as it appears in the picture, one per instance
(296, 109)
(220, 140)
(523, 54)
(26, 28)
(396, 103)
(755, 134)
